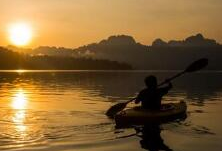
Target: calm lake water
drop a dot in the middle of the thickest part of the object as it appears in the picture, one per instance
(56, 111)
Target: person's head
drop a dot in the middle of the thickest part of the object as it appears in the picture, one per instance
(151, 82)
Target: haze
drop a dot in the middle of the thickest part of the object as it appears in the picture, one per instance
(72, 23)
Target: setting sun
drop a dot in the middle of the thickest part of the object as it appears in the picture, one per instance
(20, 34)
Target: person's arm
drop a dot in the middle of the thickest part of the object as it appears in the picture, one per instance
(170, 86)
(137, 100)
(165, 90)
(139, 97)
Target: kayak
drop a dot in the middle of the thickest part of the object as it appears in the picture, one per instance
(140, 116)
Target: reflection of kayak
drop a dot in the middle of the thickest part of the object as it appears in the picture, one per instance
(139, 116)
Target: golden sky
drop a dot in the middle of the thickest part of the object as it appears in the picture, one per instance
(72, 23)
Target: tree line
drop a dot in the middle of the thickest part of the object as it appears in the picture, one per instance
(13, 60)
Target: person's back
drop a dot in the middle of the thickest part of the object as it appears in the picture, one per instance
(151, 96)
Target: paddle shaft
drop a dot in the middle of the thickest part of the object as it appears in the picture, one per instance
(170, 79)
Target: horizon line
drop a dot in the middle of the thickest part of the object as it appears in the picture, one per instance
(34, 47)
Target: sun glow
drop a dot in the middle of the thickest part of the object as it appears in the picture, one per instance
(20, 34)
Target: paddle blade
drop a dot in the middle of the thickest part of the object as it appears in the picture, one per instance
(197, 65)
(115, 109)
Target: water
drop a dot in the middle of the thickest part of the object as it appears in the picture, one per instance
(58, 111)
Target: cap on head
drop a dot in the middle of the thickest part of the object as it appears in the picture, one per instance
(151, 81)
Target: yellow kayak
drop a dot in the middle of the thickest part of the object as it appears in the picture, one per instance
(140, 116)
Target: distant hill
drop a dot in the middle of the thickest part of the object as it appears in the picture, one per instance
(13, 60)
(192, 41)
(161, 55)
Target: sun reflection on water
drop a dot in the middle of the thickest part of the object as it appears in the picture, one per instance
(19, 104)
(20, 100)
(19, 119)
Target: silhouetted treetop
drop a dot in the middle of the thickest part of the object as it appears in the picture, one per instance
(13, 60)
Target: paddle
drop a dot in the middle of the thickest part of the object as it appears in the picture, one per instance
(195, 66)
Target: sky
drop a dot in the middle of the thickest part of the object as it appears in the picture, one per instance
(72, 23)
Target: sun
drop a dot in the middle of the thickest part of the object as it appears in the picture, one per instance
(20, 34)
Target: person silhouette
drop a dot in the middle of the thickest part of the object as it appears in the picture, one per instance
(151, 96)
(151, 139)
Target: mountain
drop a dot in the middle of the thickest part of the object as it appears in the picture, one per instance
(161, 55)
(192, 41)
(119, 48)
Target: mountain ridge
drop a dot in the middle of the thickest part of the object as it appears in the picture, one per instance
(161, 55)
